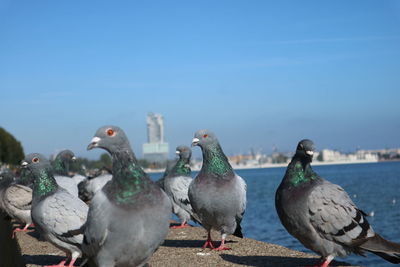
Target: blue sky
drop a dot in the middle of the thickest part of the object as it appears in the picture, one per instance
(257, 73)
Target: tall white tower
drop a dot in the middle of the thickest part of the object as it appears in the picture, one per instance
(155, 150)
(155, 128)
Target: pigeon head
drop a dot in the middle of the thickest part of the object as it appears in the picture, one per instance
(110, 138)
(67, 155)
(184, 152)
(204, 138)
(305, 148)
(36, 162)
(62, 162)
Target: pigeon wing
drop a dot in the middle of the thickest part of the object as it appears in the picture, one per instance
(335, 217)
(19, 197)
(96, 230)
(64, 217)
(242, 190)
(68, 184)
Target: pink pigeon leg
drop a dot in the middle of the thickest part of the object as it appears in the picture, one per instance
(208, 242)
(325, 262)
(222, 246)
(20, 230)
(183, 225)
(71, 264)
(61, 264)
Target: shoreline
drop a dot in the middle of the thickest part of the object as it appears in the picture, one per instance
(281, 165)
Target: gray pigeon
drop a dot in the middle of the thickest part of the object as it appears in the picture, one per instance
(168, 168)
(217, 194)
(176, 185)
(322, 216)
(57, 215)
(61, 166)
(62, 162)
(16, 200)
(129, 217)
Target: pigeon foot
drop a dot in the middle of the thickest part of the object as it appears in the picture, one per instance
(325, 262)
(19, 230)
(61, 264)
(208, 242)
(183, 225)
(222, 246)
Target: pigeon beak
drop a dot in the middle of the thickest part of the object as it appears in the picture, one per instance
(195, 141)
(73, 158)
(94, 143)
(177, 152)
(310, 152)
(24, 164)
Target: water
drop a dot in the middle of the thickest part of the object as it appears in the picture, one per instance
(373, 187)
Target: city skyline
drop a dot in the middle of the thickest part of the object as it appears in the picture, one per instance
(259, 74)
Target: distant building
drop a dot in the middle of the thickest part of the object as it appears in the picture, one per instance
(332, 156)
(155, 150)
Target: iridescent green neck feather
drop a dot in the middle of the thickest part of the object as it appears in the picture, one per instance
(59, 167)
(129, 179)
(299, 173)
(45, 184)
(215, 161)
(182, 167)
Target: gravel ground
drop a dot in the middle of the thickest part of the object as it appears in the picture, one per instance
(183, 247)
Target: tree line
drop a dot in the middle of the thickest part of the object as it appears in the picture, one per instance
(11, 151)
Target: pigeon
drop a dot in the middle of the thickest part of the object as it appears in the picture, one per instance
(57, 214)
(129, 217)
(217, 194)
(16, 200)
(62, 162)
(322, 216)
(176, 185)
(61, 165)
(168, 168)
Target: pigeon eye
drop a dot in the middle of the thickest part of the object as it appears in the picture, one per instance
(110, 132)
(205, 136)
(35, 160)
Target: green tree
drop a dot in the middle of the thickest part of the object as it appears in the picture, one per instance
(11, 151)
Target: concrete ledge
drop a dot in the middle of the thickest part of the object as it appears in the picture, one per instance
(183, 247)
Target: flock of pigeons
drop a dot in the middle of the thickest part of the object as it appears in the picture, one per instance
(128, 215)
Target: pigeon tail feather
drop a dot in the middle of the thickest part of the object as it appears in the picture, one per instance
(385, 249)
(238, 231)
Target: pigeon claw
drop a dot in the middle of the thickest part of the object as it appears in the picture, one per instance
(20, 230)
(221, 248)
(183, 225)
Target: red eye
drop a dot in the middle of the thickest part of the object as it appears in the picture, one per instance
(35, 160)
(110, 132)
(205, 136)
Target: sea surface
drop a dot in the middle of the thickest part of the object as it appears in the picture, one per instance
(373, 187)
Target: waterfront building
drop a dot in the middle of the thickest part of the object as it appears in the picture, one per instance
(156, 149)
